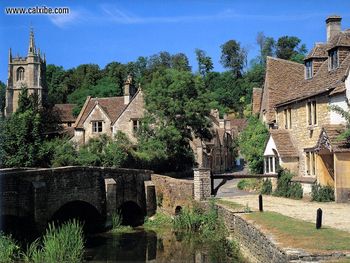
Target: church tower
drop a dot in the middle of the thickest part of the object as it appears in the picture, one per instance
(26, 72)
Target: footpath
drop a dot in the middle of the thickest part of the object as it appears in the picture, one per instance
(335, 215)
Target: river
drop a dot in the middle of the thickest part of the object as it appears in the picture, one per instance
(149, 246)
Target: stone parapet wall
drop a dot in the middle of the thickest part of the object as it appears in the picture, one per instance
(172, 192)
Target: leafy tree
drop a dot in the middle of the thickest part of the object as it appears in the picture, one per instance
(178, 107)
(58, 152)
(233, 57)
(346, 115)
(205, 64)
(180, 62)
(252, 143)
(56, 83)
(289, 47)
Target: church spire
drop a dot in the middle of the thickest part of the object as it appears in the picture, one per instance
(31, 48)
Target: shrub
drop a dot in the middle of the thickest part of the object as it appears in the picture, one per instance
(287, 188)
(159, 220)
(322, 193)
(8, 249)
(296, 191)
(251, 184)
(266, 187)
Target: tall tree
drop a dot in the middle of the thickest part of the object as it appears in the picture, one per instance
(266, 45)
(2, 97)
(177, 104)
(289, 47)
(233, 57)
(180, 62)
(205, 64)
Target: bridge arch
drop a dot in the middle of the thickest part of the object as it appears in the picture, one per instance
(132, 214)
(83, 211)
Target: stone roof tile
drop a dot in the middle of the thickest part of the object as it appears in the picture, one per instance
(284, 144)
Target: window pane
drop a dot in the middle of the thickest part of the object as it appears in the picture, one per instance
(314, 112)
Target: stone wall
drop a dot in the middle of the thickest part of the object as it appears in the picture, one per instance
(259, 247)
(172, 192)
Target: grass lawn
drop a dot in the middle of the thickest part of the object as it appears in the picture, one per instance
(229, 204)
(290, 232)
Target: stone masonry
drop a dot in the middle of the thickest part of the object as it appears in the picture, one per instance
(201, 182)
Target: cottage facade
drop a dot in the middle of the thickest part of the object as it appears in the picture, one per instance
(296, 105)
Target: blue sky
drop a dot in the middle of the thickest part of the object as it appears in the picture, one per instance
(104, 31)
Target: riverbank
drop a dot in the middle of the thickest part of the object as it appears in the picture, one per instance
(272, 237)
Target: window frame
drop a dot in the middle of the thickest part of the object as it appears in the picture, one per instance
(310, 160)
(333, 59)
(97, 126)
(308, 69)
(311, 113)
(287, 118)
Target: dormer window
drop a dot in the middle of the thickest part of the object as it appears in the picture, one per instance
(333, 59)
(308, 69)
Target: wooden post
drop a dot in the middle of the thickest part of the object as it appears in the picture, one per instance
(319, 218)
(261, 203)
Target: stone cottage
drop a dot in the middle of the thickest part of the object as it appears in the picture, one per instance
(110, 115)
(295, 104)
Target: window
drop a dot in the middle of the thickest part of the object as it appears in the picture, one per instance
(20, 74)
(308, 69)
(97, 126)
(310, 164)
(288, 118)
(311, 113)
(271, 164)
(135, 126)
(333, 58)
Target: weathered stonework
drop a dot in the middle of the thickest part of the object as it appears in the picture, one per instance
(172, 193)
(201, 184)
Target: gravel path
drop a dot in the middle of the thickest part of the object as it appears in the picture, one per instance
(335, 215)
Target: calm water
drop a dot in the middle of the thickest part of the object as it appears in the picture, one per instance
(150, 246)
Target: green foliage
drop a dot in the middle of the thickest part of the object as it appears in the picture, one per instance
(2, 96)
(252, 143)
(233, 57)
(59, 244)
(346, 115)
(205, 64)
(117, 220)
(289, 47)
(103, 151)
(287, 188)
(250, 184)
(58, 152)
(9, 250)
(158, 221)
(178, 109)
(321, 193)
(266, 188)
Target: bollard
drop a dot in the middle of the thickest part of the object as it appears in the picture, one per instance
(319, 218)
(261, 203)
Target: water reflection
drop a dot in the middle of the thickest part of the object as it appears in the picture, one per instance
(143, 246)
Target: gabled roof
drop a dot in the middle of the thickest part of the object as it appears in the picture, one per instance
(284, 144)
(282, 76)
(112, 106)
(65, 112)
(318, 51)
(342, 39)
(325, 80)
(329, 139)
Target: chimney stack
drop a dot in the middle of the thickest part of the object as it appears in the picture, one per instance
(333, 23)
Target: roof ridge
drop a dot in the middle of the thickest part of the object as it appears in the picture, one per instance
(285, 60)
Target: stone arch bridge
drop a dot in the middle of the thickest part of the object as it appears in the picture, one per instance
(93, 193)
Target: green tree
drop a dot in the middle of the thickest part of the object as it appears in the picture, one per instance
(205, 64)
(346, 115)
(266, 46)
(289, 48)
(56, 83)
(178, 107)
(252, 143)
(180, 62)
(233, 57)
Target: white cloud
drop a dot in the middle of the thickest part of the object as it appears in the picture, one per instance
(65, 20)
